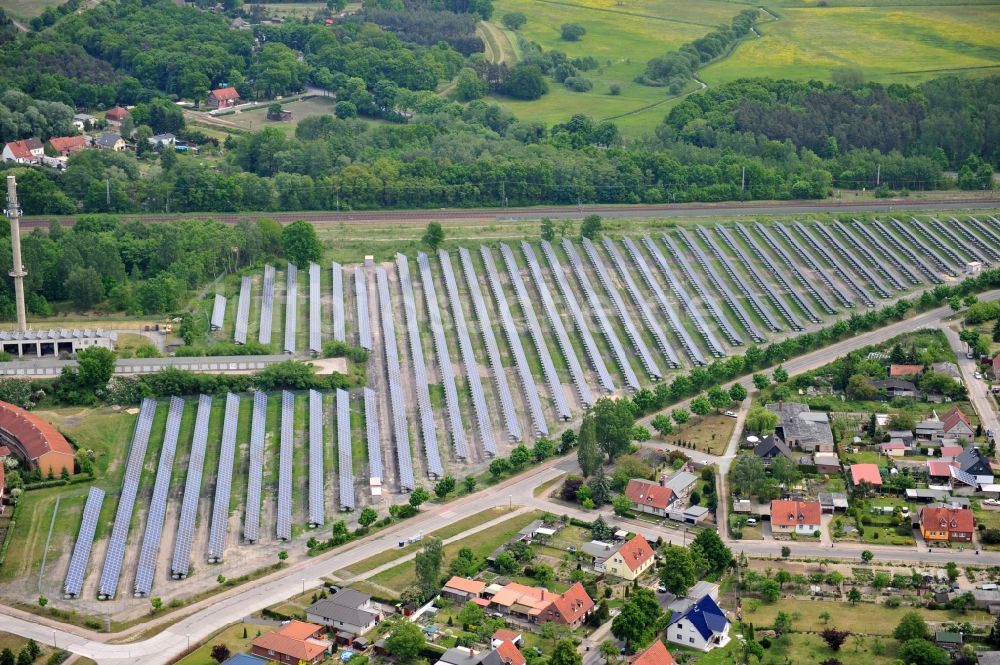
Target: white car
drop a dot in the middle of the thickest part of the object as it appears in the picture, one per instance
(731, 414)
(978, 375)
(752, 521)
(991, 502)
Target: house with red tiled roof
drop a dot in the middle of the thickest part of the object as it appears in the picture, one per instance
(939, 472)
(68, 145)
(462, 589)
(800, 517)
(509, 654)
(945, 523)
(222, 98)
(996, 367)
(898, 371)
(957, 425)
(570, 609)
(115, 115)
(631, 560)
(26, 151)
(649, 497)
(501, 635)
(295, 642)
(656, 654)
(38, 444)
(866, 472)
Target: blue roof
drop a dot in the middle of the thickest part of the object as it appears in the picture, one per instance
(244, 659)
(705, 615)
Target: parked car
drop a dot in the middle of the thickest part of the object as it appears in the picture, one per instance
(752, 521)
(978, 375)
(731, 414)
(662, 588)
(991, 502)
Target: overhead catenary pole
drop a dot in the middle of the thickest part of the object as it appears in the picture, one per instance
(17, 269)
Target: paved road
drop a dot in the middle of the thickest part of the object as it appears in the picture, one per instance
(421, 217)
(979, 393)
(208, 616)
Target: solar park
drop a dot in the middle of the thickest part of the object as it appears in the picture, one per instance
(473, 350)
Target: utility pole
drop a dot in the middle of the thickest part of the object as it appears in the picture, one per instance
(17, 269)
(878, 175)
(743, 180)
(503, 193)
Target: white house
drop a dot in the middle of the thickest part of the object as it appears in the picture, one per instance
(702, 626)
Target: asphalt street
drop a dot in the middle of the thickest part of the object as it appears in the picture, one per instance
(197, 622)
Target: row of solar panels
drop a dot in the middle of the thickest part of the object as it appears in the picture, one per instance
(152, 537)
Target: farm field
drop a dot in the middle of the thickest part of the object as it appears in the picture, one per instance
(256, 119)
(892, 44)
(622, 39)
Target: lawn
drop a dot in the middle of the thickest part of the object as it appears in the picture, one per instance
(15, 643)
(231, 636)
(710, 434)
(622, 37)
(399, 577)
(893, 44)
(301, 109)
(26, 8)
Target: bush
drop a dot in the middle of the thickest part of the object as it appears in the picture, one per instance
(892, 602)
(572, 32)
(991, 536)
(578, 84)
(614, 89)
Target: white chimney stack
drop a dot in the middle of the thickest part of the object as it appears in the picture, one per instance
(17, 270)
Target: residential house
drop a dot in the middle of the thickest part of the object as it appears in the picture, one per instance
(947, 523)
(294, 642)
(771, 447)
(68, 145)
(599, 552)
(949, 453)
(798, 517)
(893, 448)
(239, 24)
(347, 611)
(222, 98)
(866, 473)
(505, 654)
(26, 151)
(506, 635)
(897, 371)
(956, 425)
(521, 601)
(110, 141)
(930, 431)
(631, 560)
(649, 497)
(904, 435)
(996, 367)
(894, 388)
(702, 626)
(682, 484)
(831, 502)
(973, 463)
(462, 590)
(826, 462)
(938, 473)
(656, 654)
(115, 116)
(163, 140)
(84, 121)
(801, 428)
(569, 609)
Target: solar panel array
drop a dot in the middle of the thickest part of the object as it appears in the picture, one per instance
(777, 271)
(287, 440)
(597, 310)
(364, 317)
(317, 514)
(157, 514)
(964, 244)
(825, 255)
(315, 341)
(579, 320)
(862, 250)
(455, 425)
(965, 232)
(855, 263)
(528, 388)
(291, 298)
(990, 232)
(815, 266)
(223, 481)
(905, 251)
(721, 287)
(266, 306)
(638, 343)
(868, 238)
(673, 320)
(422, 387)
(255, 477)
(558, 329)
(714, 347)
(400, 430)
(84, 543)
(923, 247)
(181, 561)
(243, 311)
(772, 295)
(218, 312)
(548, 369)
(337, 280)
(492, 349)
(468, 356)
(932, 236)
(108, 586)
(374, 436)
(344, 457)
(740, 282)
(703, 293)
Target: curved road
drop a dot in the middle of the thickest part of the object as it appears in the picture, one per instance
(420, 217)
(197, 622)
